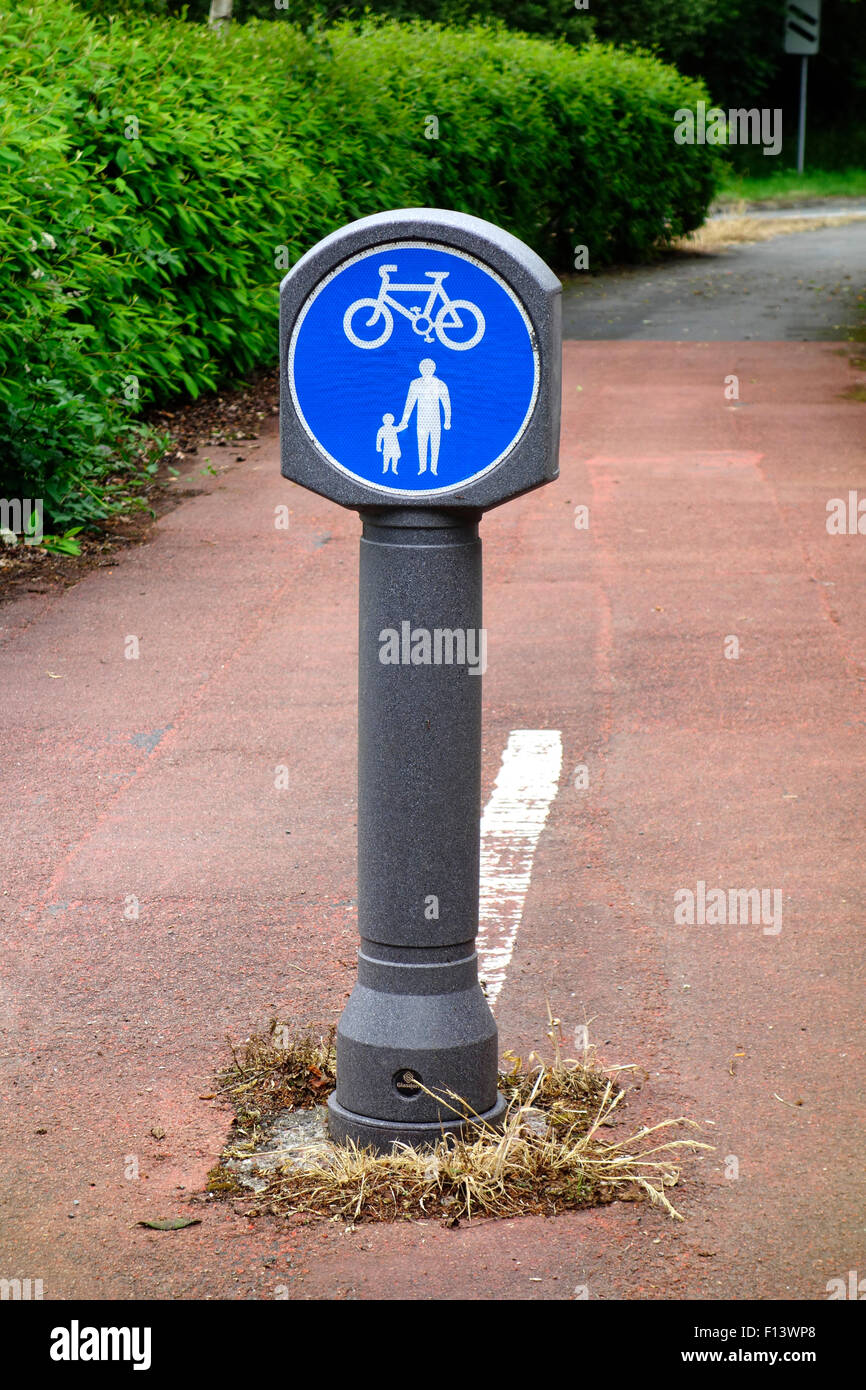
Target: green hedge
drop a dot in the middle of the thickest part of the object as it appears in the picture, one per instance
(151, 171)
(734, 45)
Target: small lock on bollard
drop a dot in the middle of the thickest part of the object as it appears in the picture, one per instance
(420, 386)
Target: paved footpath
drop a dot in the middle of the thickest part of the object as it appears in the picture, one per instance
(147, 785)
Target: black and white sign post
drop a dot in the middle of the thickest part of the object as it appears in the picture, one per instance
(420, 370)
(802, 35)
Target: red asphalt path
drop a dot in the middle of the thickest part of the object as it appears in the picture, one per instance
(155, 778)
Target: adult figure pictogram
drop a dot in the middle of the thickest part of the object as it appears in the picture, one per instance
(426, 395)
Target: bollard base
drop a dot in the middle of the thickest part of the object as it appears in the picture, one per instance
(381, 1135)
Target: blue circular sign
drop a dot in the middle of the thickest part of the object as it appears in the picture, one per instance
(414, 368)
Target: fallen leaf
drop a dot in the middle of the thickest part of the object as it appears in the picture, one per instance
(174, 1223)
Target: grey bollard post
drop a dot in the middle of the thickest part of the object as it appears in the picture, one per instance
(420, 375)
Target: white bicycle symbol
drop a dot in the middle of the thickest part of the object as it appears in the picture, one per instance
(448, 317)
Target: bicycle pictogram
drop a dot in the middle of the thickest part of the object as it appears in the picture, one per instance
(452, 316)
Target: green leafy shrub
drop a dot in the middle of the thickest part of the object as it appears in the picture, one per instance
(59, 417)
(136, 204)
(156, 179)
(562, 148)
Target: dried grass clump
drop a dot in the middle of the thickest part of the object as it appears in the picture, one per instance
(277, 1071)
(552, 1154)
(736, 230)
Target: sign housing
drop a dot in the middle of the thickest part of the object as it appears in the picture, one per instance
(420, 352)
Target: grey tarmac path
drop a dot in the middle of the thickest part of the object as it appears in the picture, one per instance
(806, 286)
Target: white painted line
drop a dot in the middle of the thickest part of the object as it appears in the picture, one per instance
(512, 822)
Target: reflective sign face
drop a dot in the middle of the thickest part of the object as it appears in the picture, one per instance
(413, 368)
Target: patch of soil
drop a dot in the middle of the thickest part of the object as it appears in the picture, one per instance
(192, 425)
(222, 418)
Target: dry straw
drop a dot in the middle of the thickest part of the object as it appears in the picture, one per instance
(552, 1154)
(739, 227)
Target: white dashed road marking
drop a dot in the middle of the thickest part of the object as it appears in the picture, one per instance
(512, 822)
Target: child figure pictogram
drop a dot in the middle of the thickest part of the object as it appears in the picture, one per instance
(387, 443)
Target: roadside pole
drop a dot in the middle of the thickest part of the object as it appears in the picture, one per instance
(802, 35)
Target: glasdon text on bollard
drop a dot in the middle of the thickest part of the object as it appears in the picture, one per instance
(420, 385)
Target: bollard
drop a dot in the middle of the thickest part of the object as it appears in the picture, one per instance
(420, 386)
